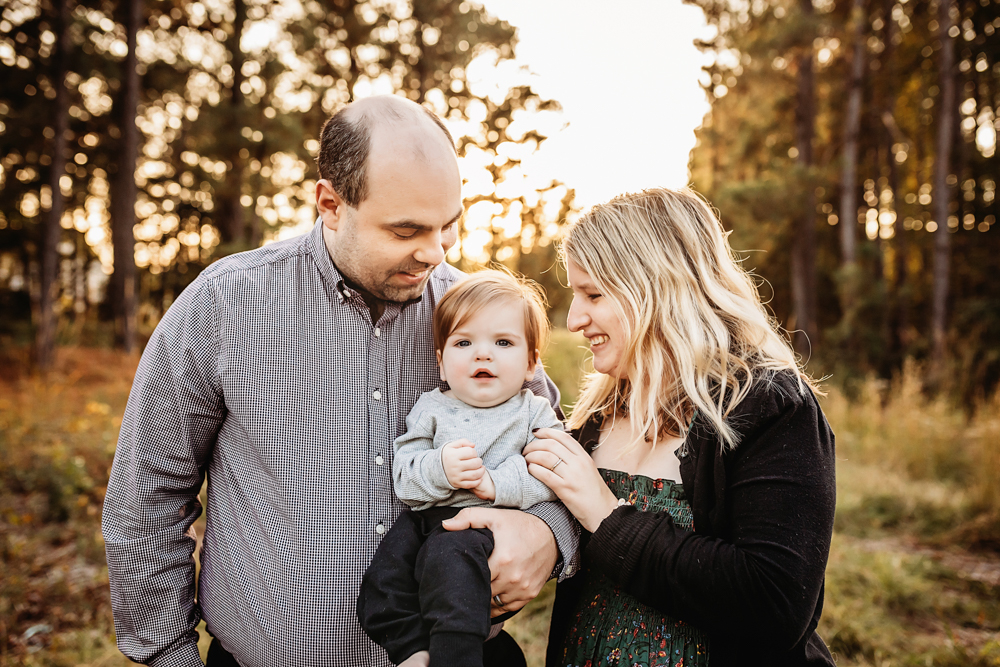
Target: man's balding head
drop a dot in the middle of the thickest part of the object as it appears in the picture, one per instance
(347, 138)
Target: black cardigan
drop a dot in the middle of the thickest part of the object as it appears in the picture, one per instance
(751, 574)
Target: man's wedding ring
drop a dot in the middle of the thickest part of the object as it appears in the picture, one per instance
(496, 601)
(553, 468)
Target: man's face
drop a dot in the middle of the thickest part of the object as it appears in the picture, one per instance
(391, 242)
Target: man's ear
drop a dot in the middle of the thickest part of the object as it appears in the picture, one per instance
(441, 366)
(532, 365)
(331, 208)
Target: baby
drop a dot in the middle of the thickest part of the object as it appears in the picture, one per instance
(428, 589)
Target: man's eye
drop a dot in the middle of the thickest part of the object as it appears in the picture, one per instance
(404, 233)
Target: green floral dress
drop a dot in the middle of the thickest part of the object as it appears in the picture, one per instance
(610, 628)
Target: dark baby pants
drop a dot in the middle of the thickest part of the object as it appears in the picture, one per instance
(428, 589)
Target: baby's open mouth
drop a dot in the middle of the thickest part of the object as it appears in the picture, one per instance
(483, 374)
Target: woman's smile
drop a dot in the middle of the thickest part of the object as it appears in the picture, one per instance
(592, 313)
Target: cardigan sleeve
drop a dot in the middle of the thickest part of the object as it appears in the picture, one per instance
(759, 585)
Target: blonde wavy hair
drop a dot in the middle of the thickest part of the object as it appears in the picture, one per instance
(697, 335)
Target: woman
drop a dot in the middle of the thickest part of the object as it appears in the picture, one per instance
(699, 462)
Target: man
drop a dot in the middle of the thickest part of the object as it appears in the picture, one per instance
(285, 374)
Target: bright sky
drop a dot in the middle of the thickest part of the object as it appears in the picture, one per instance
(626, 74)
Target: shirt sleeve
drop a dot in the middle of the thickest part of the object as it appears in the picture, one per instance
(417, 471)
(173, 414)
(760, 587)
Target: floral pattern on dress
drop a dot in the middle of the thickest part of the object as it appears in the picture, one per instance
(611, 628)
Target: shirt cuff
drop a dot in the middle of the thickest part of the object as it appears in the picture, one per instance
(179, 655)
(566, 531)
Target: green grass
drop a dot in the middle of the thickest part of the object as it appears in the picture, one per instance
(917, 483)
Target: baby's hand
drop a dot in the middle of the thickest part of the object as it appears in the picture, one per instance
(462, 466)
(486, 489)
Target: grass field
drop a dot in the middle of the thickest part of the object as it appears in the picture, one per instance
(913, 579)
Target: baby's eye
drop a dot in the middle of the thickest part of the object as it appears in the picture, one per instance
(503, 342)
(462, 343)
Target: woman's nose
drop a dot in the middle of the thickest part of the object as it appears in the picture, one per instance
(576, 319)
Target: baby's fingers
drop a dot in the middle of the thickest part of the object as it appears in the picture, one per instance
(470, 479)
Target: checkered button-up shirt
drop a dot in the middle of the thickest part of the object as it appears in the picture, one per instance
(269, 376)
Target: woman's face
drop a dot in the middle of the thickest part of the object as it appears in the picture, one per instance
(591, 312)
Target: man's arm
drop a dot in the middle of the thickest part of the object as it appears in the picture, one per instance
(170, 424)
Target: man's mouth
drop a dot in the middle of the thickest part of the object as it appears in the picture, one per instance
(413, 277)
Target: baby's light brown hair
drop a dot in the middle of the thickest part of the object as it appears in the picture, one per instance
(480, 290)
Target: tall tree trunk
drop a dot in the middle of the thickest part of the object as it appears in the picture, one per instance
(852, 126)
(124, 191)
(804, 231)
(45, 334)
(899, 336)
(232, 223)
(942, 194)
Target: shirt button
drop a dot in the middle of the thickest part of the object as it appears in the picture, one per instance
(377, 395)
(380, 528)
(379, 460)
(569, 570)
(378, 332)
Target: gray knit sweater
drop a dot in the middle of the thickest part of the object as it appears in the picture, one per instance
(499, 433)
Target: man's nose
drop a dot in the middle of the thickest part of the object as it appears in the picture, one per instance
(432, 249)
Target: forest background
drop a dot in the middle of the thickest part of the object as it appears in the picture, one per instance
(850, 147)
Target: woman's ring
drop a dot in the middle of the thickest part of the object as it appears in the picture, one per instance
(496, 600)
(553, 468)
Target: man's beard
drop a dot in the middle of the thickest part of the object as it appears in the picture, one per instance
(388, 292)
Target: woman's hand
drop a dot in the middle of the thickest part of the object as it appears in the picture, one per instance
(559, 462)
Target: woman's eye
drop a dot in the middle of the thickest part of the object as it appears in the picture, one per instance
(593, 297)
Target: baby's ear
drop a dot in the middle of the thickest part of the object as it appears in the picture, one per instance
(533, 365)
(440, 366)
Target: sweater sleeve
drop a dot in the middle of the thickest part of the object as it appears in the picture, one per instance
(417, 471)
(515, 487)
(762, 585)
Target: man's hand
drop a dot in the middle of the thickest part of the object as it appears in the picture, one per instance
(524, 553)
(486, 489)
(462, 466)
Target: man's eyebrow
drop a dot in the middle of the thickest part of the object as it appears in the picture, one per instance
(419, 226)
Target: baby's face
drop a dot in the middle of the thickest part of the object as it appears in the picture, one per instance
(486, 360)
